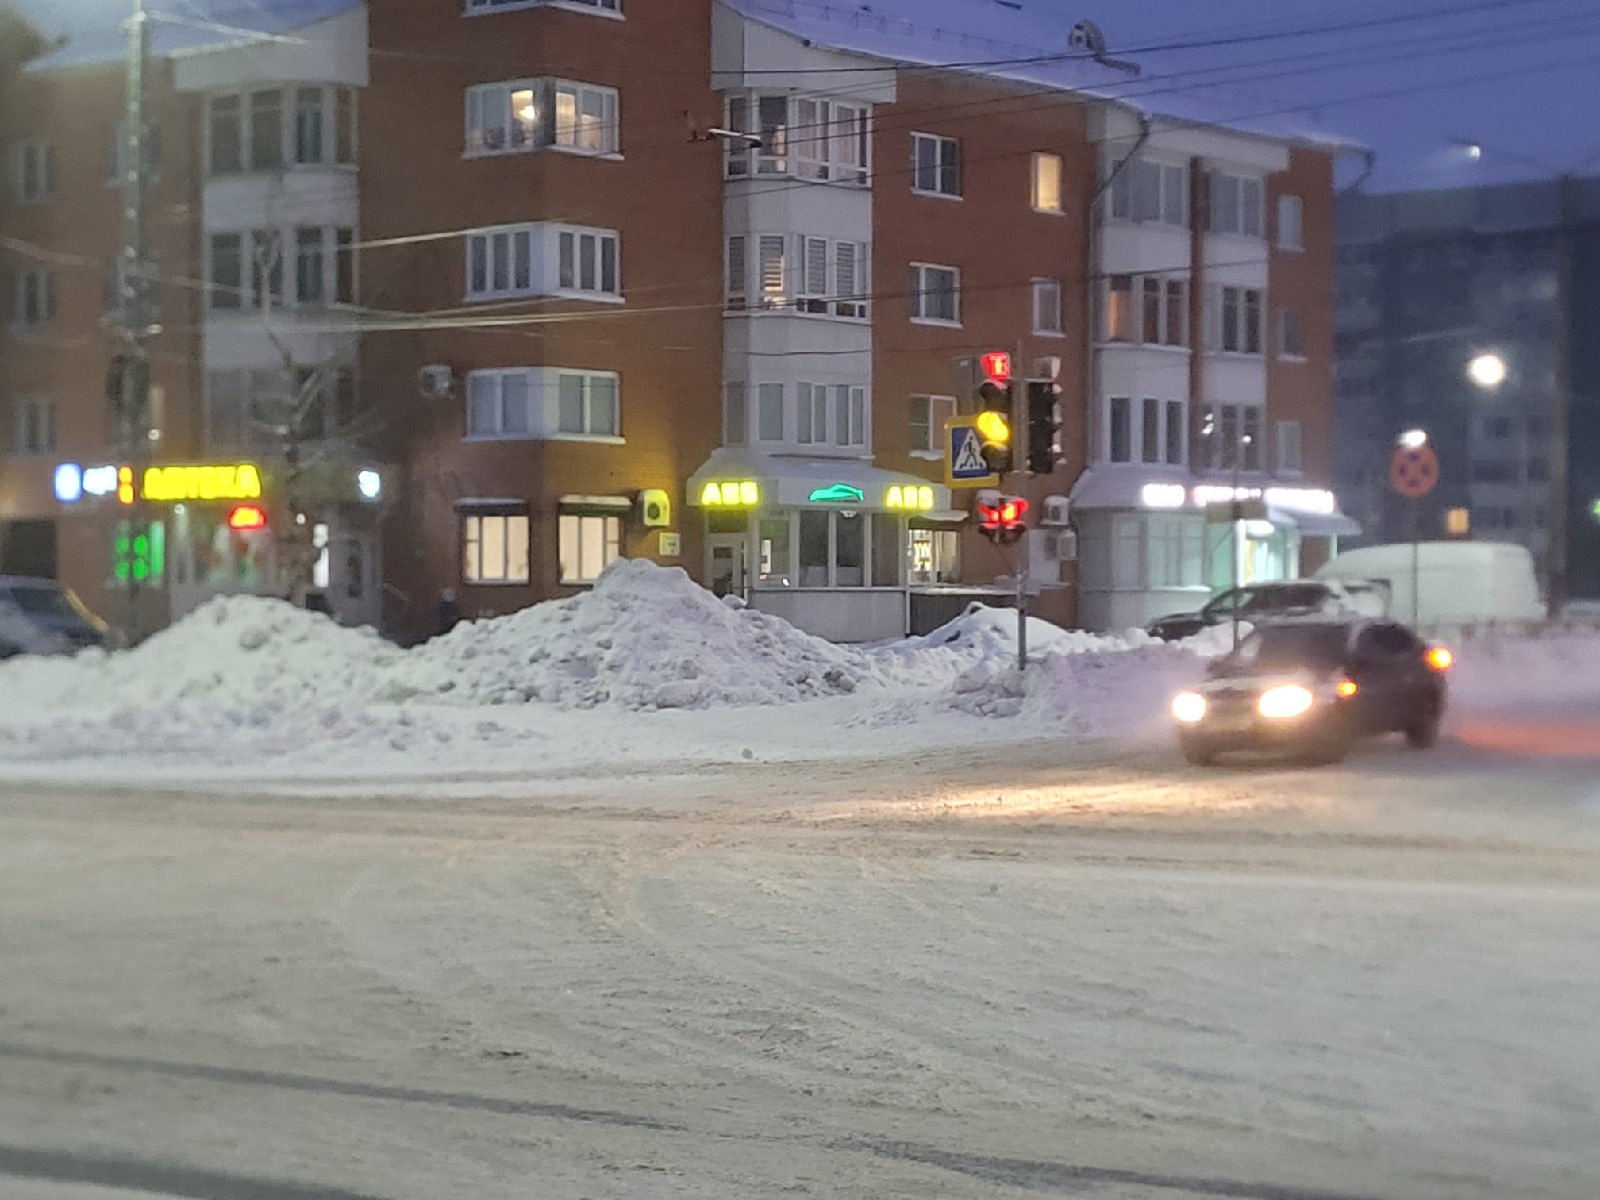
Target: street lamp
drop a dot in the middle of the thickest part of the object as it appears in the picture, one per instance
(1413, 439)
(1487, 371)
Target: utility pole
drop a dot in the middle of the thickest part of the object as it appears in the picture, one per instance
(135, 382)
(1561, 426)
(1019, 477)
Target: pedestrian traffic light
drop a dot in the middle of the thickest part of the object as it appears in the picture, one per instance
(1044, 425)
(1001, 518)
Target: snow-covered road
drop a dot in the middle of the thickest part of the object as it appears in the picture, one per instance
(1021, 969)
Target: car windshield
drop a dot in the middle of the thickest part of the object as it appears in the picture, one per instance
(1292, 647)
(52, 604)
(1271, 599)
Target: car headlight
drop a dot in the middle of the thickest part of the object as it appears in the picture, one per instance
(1285, 703)
(1189, 707)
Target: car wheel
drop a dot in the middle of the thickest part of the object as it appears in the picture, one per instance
(1423, 733)
(1199, 754)
(1327, 749)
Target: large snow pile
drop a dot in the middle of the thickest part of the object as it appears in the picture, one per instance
(985, 632)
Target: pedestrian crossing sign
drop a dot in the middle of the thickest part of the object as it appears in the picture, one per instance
(963, 456)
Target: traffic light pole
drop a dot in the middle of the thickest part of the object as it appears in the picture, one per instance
(1019, 476)
(135, 393)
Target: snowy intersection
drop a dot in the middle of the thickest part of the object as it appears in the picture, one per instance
(933, 936)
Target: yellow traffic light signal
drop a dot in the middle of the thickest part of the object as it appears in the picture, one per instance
(993, 427)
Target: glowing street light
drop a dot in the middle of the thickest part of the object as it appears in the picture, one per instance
(1413, 439)
(1488, 371)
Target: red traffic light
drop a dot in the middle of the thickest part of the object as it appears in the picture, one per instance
(996, 365)
(247, 517)
(1012, 510)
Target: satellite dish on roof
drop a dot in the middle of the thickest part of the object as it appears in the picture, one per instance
(1086, 35)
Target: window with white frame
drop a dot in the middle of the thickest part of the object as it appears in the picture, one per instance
(495, 547)
(33, 297)
(268, 129)
(830, 141)
(1291, 223)
(586, 118)
(1046, 189)
(831, 278)
(588, 262)
(500, 404)
(1233, 319)
(849, 415)
(769, 412)
(1047, 306)
(766, 150)
(935, 294)
(1235, 204)
(736, 263)
(251, 268)
(589, 543)
(772, 272)
(587, 404)
(1289, 456)
(1147, 430)
(735, 414)
(1231, 436)
(1291, 336)
(502, 118)
(1149, 191)
(832, 549)
(33, 171)
(1175, 434)
(33, 427)
(487, 6)
(936, 165)
(1152, 310)
(929, 415)
(811, 414)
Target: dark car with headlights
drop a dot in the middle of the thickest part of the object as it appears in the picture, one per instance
(1312, 688)
(39, 616)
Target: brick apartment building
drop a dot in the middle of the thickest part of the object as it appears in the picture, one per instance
(689, 281)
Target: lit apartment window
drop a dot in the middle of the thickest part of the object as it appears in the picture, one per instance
(1151, 192)
(1148, 309)
(500, 404)
(1289, 458)
(935, 294)
(1291, 336)
(1291, 223)
(1235, 204)
(928, 417)
(587, 404)
(1047, 306)
(274, 128)
(33, 298)
(936, 165)
(33, 427)
(494, 547)
(33, 172)
(1233, 319)
(589, 543)
(484, 6)
(530, 114)
(1047, 183)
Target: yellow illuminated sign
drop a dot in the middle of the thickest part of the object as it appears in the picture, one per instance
(741, 493)
(915, 498)
(174, 485)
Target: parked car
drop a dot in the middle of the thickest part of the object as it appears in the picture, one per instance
(39, 616)
(1312, 688)
(1448, 583)
(1257, 602)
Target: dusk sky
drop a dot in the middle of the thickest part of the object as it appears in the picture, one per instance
(1403, 76)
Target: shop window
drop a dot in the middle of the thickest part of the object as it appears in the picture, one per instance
(495, 548)
(850, 550)
(887, 556)
(933, 556)
(776, 562)
(815, 550)
(589, 543)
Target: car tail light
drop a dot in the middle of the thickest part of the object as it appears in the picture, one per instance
(1346, 688)
(1440, 659)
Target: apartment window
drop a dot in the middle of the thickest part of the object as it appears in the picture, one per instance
(772, 117)
(589, 543)
(1230, 435)
(1150, 192)
(225, 141)
(502, 118)
(500, 263)
(1150, 430)
(1175, 443)
(936, 165)
(1234, 320)
(849, 415)
(33, 172)
(587, 404)
(33, 428)
(266, 130)
(850, 279)
(735, 414)
(311, 265)
(928, 417)
(1162, 315)
(1291, 337)
(1291, 223)
(1235, 204)
(736, 294)
(769, 416)
(935, 294)
(344, 266)
(811, 414)
(266, 266)
(830, 141)
(33, 298)
(309, 119)
(588, 262)
(586, 118)
(774, 279)
(1047, 183)
(1119, 308)
(344, 125)
(831, 278)
(226, 283)
(500, 404)
(1121, 429)
(1047, 306)
(494, 548)
(1289, 452)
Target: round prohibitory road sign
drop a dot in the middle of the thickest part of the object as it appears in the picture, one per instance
(1414, 471)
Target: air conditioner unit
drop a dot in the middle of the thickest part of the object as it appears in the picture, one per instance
(1059, 546)
(655, 508)
(1056, 510)
(435, 381)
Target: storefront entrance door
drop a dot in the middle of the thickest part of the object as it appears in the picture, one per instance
(727, 565)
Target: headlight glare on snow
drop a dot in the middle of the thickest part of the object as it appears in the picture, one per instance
(1189, 707)
(1285, 702)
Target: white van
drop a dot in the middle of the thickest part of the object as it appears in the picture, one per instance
(1451, 583)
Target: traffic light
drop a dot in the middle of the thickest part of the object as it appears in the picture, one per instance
(994, 410)
(138, 553)
(1044, 425)
(247, 517)
(1001, 519)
